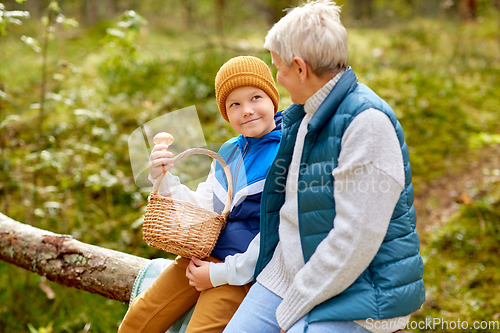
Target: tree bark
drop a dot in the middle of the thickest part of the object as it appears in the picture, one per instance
(91, 12)
(363, 10)
(69, 262)
(220, 6)
(468, 9)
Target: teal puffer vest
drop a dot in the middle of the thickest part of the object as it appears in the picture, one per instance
(392, 285)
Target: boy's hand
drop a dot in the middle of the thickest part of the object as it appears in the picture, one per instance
(198, 273)
(160, 160)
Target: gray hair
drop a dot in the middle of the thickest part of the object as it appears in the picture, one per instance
(314, 33)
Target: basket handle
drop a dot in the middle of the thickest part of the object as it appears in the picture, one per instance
(219, 159)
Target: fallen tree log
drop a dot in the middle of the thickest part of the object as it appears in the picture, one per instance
(66, 261)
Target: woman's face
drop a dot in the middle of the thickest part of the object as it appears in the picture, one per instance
(288, 77)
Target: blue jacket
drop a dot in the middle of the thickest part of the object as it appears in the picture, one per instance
(249, 160)
(392, 285)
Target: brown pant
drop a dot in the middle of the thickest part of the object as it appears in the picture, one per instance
(170, 296)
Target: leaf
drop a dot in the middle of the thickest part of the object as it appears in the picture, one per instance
(32, 329)
(31, 42)
(54, 6)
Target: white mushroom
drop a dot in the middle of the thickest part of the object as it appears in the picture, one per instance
(163, 138)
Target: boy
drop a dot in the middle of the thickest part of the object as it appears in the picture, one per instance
(248, 99)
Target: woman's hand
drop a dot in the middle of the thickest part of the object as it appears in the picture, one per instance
(198, 273)
(160, 160)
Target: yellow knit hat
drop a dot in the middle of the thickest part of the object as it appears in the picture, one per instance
(240, 72)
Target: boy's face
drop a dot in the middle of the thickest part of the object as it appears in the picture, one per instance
(250, 111)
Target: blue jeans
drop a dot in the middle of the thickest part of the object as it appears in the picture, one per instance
(257, 314)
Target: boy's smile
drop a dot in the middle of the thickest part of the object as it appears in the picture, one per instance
(250, 121)
(250, 111)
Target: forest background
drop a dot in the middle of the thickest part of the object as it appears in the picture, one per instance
(78, 77)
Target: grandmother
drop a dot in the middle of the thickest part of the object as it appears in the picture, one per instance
(338, 251)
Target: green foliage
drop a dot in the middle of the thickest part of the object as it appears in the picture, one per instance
(26, 308)
(122, 52)
(10, 17)
(461, 264)
(479, 140)
(441, 81)
(47, 329)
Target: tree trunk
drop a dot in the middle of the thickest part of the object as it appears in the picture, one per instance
(220, 7)
(111, 8)
(363, 10)
(91, 12)
(276, 9)
(468, 9)
(189, 7)
(69, 262)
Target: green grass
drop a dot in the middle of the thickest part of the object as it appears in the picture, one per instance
(72, 310)
(461, 264)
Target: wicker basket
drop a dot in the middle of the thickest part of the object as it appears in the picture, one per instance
(181, 227)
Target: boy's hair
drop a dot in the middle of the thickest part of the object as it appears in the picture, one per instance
(314, 33)
(240, 72)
